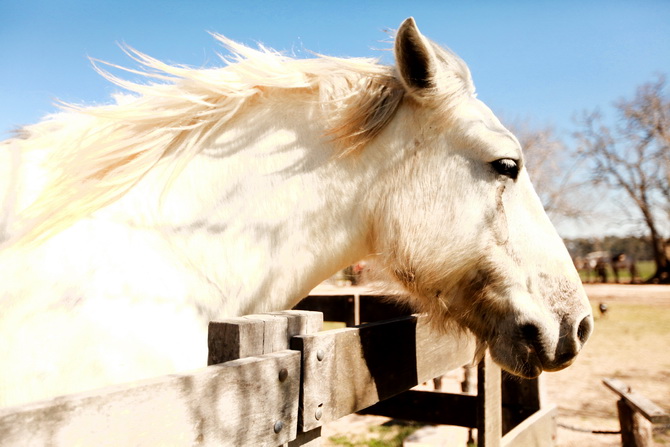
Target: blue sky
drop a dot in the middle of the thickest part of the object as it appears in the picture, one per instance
(531, 60)
(536, 60)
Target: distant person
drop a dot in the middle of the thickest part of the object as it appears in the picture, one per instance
(591, 270)
(601, 269)
(622, 262)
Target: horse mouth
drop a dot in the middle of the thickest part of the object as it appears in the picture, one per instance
(524, 362)
(527, 361)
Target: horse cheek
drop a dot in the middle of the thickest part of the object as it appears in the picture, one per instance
(495, 219)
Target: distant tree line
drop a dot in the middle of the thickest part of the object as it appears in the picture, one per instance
(638, 248)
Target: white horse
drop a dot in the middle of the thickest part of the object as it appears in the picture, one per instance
(209, 193)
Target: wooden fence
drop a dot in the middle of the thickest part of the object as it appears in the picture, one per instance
(274, 379)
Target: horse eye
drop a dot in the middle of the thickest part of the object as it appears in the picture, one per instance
(506, 167)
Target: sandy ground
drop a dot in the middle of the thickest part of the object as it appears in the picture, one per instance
(635, 354)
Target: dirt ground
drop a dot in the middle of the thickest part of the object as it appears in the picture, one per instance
(631, 343)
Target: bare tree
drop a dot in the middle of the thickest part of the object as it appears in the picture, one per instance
(648, 120)
(633, 157)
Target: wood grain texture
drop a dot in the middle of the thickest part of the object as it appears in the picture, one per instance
(489, 412)
(636, 430)
(238, 403)
(349, 369)
(236, 338)
(652, 412)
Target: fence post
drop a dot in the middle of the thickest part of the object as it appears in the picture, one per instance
(241, 337)
(259, 334)
(520, 400)
(489, 407)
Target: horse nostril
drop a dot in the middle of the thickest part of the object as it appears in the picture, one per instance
(584, 329)
(530, 333)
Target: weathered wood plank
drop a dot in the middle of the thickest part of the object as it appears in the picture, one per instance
(489, 412)
(247, 402)
(520, 399)
(236, 338)
(538, 430)
(429, 407)
(301, 322)
(652, 412)
(346, 370)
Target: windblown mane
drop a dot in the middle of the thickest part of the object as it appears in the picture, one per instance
(96, 154)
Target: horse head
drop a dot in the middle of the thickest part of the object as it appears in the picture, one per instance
(461, 227)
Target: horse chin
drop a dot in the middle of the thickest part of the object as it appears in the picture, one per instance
(521, 361)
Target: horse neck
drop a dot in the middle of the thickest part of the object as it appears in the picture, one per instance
(265, 212)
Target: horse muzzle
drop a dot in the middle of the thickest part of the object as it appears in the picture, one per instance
(534, 348)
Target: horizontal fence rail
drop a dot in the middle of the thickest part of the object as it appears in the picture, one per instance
(346, 370)
(237, 403)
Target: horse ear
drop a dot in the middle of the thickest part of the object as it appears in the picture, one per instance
(415, 59)
(427, 70)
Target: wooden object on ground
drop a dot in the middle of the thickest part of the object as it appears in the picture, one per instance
(636, 431)
(637, 415)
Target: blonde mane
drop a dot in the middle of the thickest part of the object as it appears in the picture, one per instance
(96, 154)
